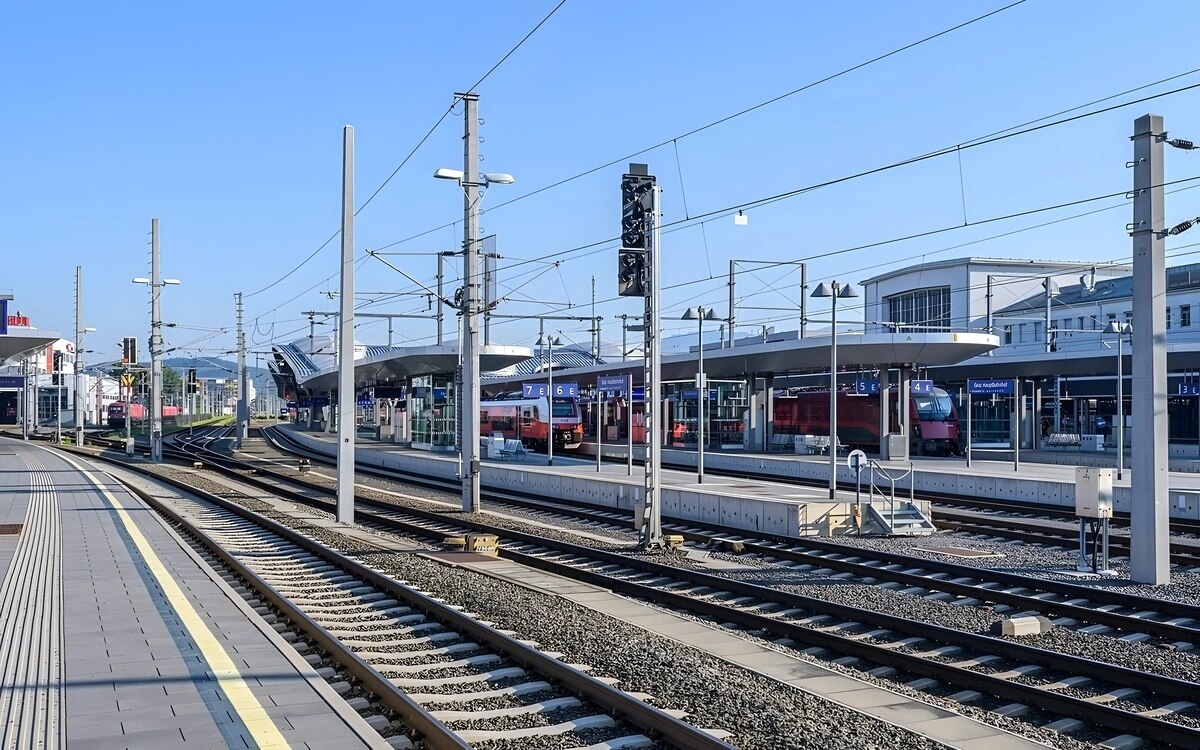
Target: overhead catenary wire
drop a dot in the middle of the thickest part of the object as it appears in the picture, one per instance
(759, 202)
(411, 152)
(908, 237)
(729, 117)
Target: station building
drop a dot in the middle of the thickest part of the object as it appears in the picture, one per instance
(1050, 318)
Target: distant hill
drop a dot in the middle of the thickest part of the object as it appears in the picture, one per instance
(221, 369)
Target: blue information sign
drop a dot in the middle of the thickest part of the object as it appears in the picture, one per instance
(561, 390)
(535, 390)
(4, 318)
(439, 395)
(615, 383)
(11, 381)
(995, 387)
(866, 387)
(1189, 389)
(566, 390)
(639, 393)
(921, 387)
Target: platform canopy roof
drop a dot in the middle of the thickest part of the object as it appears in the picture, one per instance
(392, 364)
(20, 341)
(1181, 357)
(792, 355)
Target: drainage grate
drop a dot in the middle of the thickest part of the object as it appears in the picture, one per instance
(7, 529)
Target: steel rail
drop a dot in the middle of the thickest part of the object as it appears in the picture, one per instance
(433, 732)
(1118, 719)
(657, 722)
(1100, 596)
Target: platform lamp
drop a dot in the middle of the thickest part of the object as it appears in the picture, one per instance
(155, 282)
(700, 314)
(549, 342)
(834, 291)
(1122, 330)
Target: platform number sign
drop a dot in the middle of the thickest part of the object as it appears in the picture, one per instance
(866, 387)
(541, 390)
(1189, 389)
(921, 387)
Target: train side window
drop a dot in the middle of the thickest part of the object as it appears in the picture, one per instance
(526, 416)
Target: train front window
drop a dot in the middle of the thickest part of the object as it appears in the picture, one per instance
(564, 407)
(933, 408)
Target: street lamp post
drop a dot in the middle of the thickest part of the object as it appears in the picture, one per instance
(549, 342)
(700, 314)
(1122, 330)
(470, 181)
(833, 291)
(155, 282)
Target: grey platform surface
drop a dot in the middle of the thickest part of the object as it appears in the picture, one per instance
(114, 635)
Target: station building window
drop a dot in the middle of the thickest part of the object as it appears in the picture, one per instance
(1185, 316)
(923, 309)
(1168, 317)
(1008, 334)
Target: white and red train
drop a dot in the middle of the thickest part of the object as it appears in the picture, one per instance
(529, 420)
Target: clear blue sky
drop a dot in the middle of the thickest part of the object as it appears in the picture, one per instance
(224, 121)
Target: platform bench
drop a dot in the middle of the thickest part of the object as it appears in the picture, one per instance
(1063, 440)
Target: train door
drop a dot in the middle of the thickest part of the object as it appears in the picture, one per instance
(525, 426)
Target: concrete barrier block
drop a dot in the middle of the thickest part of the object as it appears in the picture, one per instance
(709, 507)
(780, 518)
(965, 485)
(1018, 626)
(1049, 493)
(985, 486)
(671, 504)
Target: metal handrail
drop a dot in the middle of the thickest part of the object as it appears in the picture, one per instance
(892, 479)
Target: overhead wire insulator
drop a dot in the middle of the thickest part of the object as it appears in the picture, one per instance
(1183, 226)
(1181, 143)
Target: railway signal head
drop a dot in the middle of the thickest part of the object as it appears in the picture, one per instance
(637, 203)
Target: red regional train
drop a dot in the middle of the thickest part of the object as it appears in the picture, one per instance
(120, 411)
(933, 417)
(526, 420)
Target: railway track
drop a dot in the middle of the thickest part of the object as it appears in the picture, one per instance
(944, 502)
(450, 680)
(1123, 700)
(1019, 523)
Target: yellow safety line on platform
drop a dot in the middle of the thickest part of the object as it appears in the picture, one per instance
(237, 692)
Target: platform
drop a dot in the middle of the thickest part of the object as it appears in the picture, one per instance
(753, 505)
(117, 635)
(1028, 481)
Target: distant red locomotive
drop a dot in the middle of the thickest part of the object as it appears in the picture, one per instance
(527, 420)
(120, 411)
(934, 419)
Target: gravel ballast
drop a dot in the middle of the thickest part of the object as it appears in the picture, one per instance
(760, 712)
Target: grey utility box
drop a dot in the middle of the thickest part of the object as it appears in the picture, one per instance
(1091, 442)
(896, 446)
(1093, 492)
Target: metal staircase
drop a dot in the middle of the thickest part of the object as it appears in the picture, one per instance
(885, 514)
